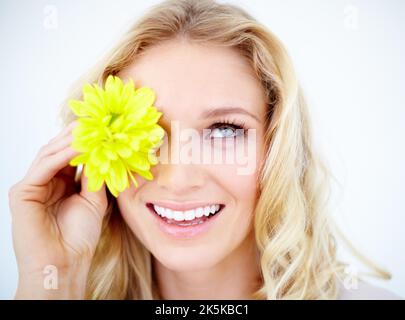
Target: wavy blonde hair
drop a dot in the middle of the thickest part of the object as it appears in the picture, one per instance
(291, 222)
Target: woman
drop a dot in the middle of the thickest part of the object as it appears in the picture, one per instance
(266, 234)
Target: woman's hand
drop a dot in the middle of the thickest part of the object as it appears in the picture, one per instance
(53, 224)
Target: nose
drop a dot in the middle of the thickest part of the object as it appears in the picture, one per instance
(179, 179)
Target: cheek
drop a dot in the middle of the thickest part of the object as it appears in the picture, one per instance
(242, 190)
(131, 209)
(240, 179)
(240, 187)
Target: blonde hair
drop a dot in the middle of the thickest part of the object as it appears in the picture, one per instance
(291, 222)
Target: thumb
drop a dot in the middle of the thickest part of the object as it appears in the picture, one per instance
(98, 198)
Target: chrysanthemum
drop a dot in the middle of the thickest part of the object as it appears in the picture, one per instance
(117, 134)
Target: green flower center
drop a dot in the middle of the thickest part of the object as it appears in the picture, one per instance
(109, 131)
(114, 116)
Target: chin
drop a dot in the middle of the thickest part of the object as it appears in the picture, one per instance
(184, 259)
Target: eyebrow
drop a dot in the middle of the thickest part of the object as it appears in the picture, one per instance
(215, 112)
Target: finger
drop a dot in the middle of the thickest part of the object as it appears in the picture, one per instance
(67, 174)
(46, 168)
(57, 145)
(52, 148)
(68, 171)
(65, 131)
(98, 199)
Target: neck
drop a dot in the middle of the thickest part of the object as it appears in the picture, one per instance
(236, 277)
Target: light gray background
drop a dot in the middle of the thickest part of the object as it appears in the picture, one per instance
(348, 57)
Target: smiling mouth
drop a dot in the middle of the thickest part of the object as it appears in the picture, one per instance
(186, 218)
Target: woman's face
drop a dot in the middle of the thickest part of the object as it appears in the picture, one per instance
(198, 87)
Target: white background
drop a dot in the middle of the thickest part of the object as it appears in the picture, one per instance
(348, 58)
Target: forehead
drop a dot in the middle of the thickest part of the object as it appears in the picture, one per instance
(187, 74)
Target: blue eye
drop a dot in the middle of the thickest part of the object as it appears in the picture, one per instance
(225, 130)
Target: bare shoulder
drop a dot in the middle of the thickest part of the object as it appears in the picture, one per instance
(366, 291)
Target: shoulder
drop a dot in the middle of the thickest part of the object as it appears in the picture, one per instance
(366, 291)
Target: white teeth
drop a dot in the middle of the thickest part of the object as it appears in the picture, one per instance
(159, 210)
(178, 215)
(169, 213)
(187, 215)
(199, 212)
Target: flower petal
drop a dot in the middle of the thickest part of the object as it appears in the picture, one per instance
(142, 98)
(138, 162)
(111, 186)
(79, 159)
(124, 151)
(119, 175)
(113, 88)
(132, 178)
(95, 183)
(111, 155)
(145, 174)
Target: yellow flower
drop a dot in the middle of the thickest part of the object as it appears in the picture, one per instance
(117, 134)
